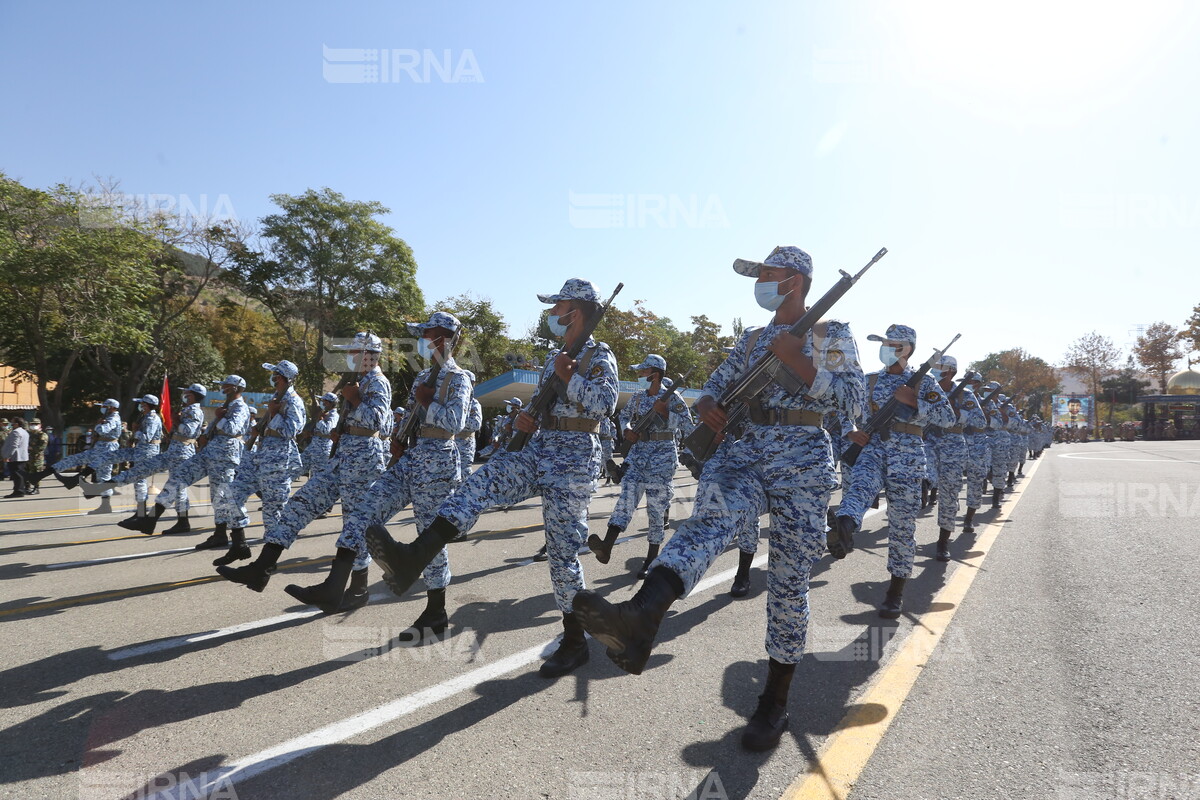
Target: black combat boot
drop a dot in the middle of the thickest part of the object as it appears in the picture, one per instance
(216, 541)
(933, 496)
(572, 650)
(1011, 480)
(105, 507)
(968, 521)
(327, 595)
(602, 548)
(893, 602)
(433, 621)
(182, 525)
(238, 551)
(628, 629)
(943, 545)
(924, 493)
(356, 593)
(996, 492)
(741, 581)
(402, 563)
(69, 481)
(258, 572)
(651, 554)
(541, 554)
(840, 538)
(770, 719)
(144, 523)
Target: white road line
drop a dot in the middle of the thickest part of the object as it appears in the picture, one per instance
(221, 778)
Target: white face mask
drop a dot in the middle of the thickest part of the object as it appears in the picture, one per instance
(767, 295)
(887, 354)
(644, 383)
(351, 362)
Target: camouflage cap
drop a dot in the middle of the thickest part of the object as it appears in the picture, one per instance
(233, 380)
(148, 399)
(896, 333)
(948, 362)
(362, 341)
(652, 361)
(786, 256)
(109, 403)
(438, 319)
(35, 421)
(991, 386)
(514, 402)
(573, 289)
(196, 389)
(329, 397)
(287, 369)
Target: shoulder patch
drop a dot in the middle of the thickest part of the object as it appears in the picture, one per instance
(596, 372)
(931, 397)
(835, 359)
(969, 404)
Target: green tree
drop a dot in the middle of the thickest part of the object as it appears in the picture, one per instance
(67, 285)
(485, 341)
(1022, 375)
(1092, 357)
(1158, 350)
(1124, 387)
(324, 267)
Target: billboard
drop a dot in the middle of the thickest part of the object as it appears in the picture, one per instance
(1073, 411)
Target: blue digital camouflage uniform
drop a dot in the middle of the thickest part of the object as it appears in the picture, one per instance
(316, 454)
(607, 433)
(650, 465)
(99, 455)
(979, 451)
(559, 465)
(931, 465)
(146, 444)
(465, 440)
(428, 471)
(219, 460)
(182, 447)
(270, 468)
(359, 461)
(997, 439)
(1016, 436)
(785, 469)
(950, 457)
(897, 464)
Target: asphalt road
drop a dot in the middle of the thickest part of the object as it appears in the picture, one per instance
(129, 671)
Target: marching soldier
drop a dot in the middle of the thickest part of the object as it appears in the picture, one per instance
(316, 454)
(950, 453)
(269, 469)
(783, 462)
(560, 462)
(651, 462)
(359, 458)
(146, 441)
(107, 434)
(979, 452)
(897, 463)
(182, 448)
(465, 439)
(997, 440)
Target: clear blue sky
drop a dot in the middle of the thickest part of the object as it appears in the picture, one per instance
(1032, 167)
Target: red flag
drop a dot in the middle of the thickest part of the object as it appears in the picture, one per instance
(165, 408)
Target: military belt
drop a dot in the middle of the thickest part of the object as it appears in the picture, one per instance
(104, 439)
(953, 429)
(904, 427)
(186, 442)
(354, 430)
(321, 436)
(275, 433)
(434, 432)
(152, 441)
(464, 435)
(971, 430)
(657, 436)
(784, 416)
(573, 424)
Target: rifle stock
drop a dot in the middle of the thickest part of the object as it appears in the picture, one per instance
(553, 387)
(703, 440)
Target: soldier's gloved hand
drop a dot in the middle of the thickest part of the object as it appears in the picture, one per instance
(711, 414)
(907, 395)
(525, 423)
(630, 436)
(660, 408)
(424, 394)
(860, 438)
(564, 368)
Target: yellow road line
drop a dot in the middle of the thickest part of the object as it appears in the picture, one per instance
(100, 597)
(856, 736)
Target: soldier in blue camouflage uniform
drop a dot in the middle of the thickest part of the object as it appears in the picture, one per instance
(465, 439)
(182, 448)
(651, 462)
(427, 472)
(99, 456)
(144, 446)
(560, 463)
(930, 482)
(359, 458)
(950, 455)
(220, 451)
(782, 462)
(270, 468)
(1016, 441)
(997, 439)
(979, 452)
(316, 454)
(897, 462)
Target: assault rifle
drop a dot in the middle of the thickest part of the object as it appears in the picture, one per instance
(643, 423)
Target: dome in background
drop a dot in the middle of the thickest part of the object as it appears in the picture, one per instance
(1186, 382)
